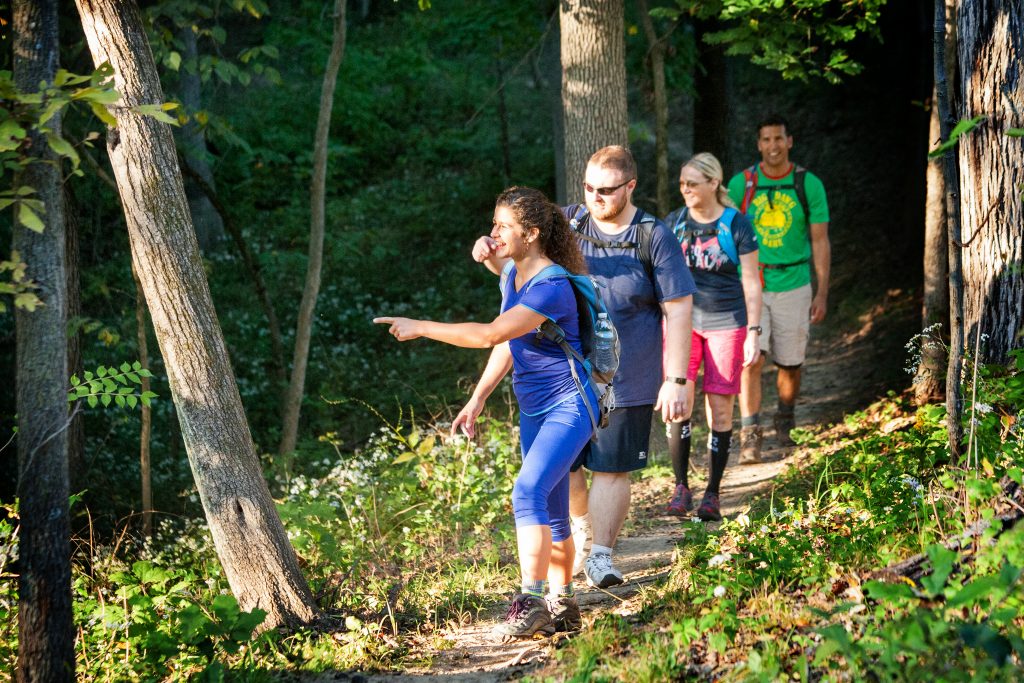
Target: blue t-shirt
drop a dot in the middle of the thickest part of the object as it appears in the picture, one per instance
(634, 301)
(718, 303)
(540, 371)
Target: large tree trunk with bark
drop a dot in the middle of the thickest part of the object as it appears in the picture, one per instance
(593, 83)
(656, 56)
(990, 37)
(317, 194)
(258, 560)
(45, 627)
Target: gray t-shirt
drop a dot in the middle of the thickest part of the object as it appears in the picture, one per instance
(718, 303)
(633, 299)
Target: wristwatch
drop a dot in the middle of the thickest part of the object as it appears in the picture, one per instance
(755, 328)
(677, 380)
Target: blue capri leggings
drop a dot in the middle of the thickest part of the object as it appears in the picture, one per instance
(551, 441)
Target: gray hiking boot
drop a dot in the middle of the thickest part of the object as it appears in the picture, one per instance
(527, 617)
(783, 425)
(751, 439)
(565, 613)
(600, 571)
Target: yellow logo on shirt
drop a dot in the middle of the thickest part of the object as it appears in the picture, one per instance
(773, 219)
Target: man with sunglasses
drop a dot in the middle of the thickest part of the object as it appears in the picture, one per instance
(788, 207)
(638, 261)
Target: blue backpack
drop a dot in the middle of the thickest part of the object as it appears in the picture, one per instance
(723, 231)
(588, 304)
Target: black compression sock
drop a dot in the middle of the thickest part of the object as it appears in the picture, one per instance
(679, 450)
(718, 447)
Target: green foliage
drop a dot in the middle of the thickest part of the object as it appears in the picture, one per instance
(103, 386)
(784, 593)
(18, 287)
(962, 128)
(800, 39)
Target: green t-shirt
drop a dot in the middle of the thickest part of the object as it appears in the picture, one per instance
(782, 228)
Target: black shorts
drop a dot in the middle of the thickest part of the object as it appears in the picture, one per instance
(622, 446)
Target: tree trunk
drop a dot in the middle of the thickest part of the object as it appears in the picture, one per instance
(258, 560)
(990, 46)
(929, 382)
(76, 431)
(252, 264)
(548, 70)
(951, 177)
(656, 54)
(317, 192)
(593, 83)
(45, 627)
(146, 427)
(711, 108)
(192, 140)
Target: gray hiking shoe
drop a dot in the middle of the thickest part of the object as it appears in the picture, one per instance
(783, 425)
(600, 571)
(565, 613)
(751, 439)
(527, 617)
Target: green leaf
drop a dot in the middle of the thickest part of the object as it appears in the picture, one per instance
(119, 400)
(962, 128)
(103, 114)
(155, 111)
(173, 60)
(124, 367)
(63, 148)
(28, 218)
(1015, 132)
(92, 401)
(105, 400)
(132, 401)
(101, 371)
(942, 559)
(74, 380)
(882, 591)
(404, 457)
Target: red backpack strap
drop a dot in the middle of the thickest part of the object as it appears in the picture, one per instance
(750, 175)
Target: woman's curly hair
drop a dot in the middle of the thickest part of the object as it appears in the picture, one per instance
(533, 210)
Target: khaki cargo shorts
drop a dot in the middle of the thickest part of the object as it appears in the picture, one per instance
(786, 325)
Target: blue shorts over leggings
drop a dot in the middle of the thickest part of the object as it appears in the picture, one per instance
(551, 441)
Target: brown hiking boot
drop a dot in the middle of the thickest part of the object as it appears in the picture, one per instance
(783, 425)
(750, 444)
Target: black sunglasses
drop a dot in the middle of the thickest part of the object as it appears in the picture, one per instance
(604, 191)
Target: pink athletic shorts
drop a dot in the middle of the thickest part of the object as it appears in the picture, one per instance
(721, 351)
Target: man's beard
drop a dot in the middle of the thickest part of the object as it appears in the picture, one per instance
(609, 210)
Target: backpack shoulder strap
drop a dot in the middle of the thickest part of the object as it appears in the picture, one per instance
(800, 185)
(725, 239)
(506, 272)
(579, 218)
(750, 187)
(679, 229)
(644, 249)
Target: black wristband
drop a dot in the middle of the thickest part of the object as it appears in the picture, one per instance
(677, 380)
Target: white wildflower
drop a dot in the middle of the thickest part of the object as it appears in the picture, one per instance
(719, 560)
(983, 407)
(743, 520)
(719, 591)
(764, 529)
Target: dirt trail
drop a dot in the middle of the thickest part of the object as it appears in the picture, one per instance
(837, 379)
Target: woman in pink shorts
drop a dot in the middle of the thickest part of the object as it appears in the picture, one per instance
(716, 240)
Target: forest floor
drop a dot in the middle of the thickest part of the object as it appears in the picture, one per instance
(845, 371)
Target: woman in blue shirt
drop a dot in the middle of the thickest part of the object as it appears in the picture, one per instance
(554, 423)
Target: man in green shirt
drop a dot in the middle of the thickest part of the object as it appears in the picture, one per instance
(789, 210)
